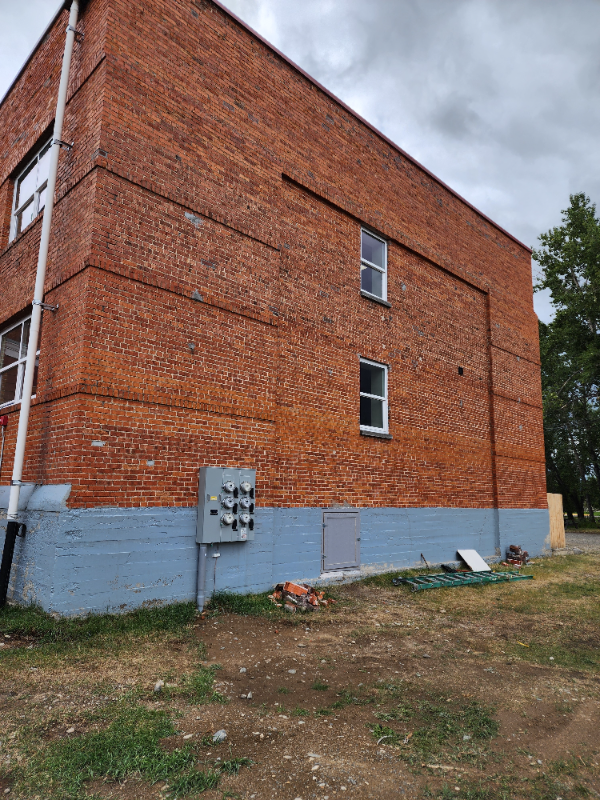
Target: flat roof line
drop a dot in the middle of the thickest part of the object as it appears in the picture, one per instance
(366, 122)
(312, 80)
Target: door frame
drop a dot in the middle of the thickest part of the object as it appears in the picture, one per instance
(341, 510)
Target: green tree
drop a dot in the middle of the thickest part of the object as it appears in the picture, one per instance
(569, 258)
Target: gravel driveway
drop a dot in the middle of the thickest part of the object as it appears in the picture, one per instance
(588, 542)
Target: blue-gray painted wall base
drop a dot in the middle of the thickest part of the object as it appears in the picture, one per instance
(77, 561)
(39, 496)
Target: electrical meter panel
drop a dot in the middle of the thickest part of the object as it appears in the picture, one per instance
(226, 498)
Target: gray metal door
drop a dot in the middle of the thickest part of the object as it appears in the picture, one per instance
(341, 540)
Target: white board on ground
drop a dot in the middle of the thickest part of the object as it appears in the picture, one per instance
(474, 560)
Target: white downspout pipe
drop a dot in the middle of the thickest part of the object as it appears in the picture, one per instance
(38, 296)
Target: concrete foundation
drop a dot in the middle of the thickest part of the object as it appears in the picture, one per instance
(77, 561)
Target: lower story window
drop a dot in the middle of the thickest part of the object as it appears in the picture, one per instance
(13, 354)
(373, 396)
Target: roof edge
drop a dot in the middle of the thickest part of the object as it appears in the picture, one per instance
(65, 4)
(367, 123)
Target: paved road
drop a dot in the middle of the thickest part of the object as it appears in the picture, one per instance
(588, 542)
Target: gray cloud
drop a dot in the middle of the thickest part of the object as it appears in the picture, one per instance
(499, 98)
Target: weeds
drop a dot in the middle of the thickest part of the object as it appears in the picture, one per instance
(233, 766)
(193, 781)
(254, 605)
(300, 712)
(198, 686)
(436, 725)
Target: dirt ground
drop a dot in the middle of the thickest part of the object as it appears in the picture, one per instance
(478, 692)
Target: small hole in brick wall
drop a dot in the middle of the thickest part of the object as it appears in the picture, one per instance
(460, 371)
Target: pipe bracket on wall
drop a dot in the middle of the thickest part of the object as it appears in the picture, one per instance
(78, 34)
(60, 143)
(44, 306)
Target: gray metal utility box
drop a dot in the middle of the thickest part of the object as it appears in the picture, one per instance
(226, 497)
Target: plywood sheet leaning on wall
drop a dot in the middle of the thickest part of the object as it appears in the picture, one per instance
(557, 521)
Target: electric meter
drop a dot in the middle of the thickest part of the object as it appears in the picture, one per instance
(226, 498)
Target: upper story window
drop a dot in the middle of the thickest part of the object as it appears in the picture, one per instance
(13, 354)
(373, 265)
(373, 397)
(30, 191)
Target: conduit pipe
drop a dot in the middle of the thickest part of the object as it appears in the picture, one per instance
(12, 526)
(201, 577)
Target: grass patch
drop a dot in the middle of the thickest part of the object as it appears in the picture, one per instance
(53, 637)
(198, 687)
(319, 686)
(193, 781)
(130, 745)
(435, 726)
(256, 605)
(246, 605)
(300, 712)
(32, 622)
(233, 766)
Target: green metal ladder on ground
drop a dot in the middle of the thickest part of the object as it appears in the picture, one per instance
(445, 580)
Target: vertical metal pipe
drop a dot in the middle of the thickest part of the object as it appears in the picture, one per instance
(201, 587)
(38, 296)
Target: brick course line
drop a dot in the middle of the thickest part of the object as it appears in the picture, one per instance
(384, 230)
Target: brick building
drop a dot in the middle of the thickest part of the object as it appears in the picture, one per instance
(249, 275)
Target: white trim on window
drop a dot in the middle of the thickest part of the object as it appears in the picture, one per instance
(370, 402)
(370, 270)
(13, 349)
(29, 198)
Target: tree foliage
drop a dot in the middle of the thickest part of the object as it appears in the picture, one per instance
(569, 258)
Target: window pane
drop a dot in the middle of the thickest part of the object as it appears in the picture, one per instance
(373, 250)
(9, 347)
(371, 412)
(27, 185)
(43, 166)
(25, 217)
(8, 385)
(25, 339)
(371, 280)
(42, 201)
(372, 379)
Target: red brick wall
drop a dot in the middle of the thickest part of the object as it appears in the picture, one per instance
(175, 108)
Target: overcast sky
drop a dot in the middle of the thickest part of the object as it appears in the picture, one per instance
(498, 98)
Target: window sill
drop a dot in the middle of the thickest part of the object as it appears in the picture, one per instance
(376, 434)
(375, 299)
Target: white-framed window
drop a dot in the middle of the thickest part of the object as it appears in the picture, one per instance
(30, 191)
(13, 354)
(373, 265)
(373, 396)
